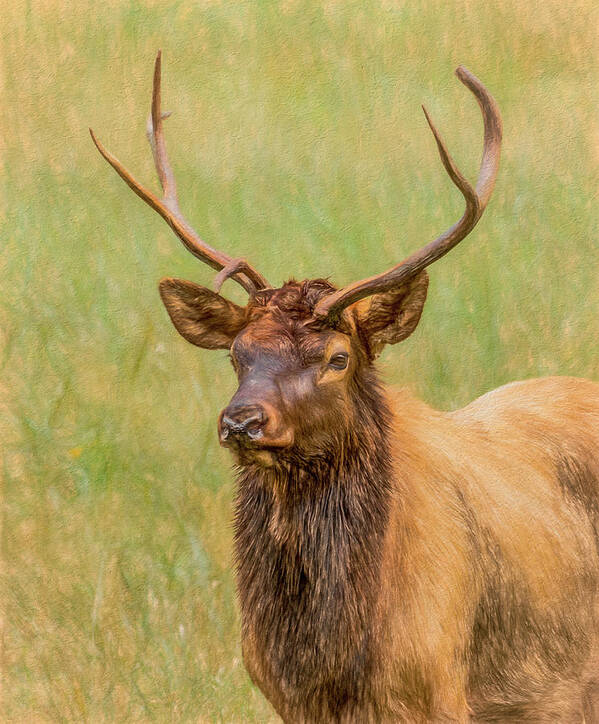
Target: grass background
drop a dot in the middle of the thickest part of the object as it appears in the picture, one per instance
(297, 140)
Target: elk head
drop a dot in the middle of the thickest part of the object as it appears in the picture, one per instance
(303, 352)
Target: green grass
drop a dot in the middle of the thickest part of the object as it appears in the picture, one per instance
(297, 140)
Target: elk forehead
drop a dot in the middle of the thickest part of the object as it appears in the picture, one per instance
(275, 344)
(282, 328)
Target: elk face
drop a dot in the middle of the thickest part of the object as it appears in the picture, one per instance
(298, 376)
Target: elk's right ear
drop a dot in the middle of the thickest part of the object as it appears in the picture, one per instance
(200, 315)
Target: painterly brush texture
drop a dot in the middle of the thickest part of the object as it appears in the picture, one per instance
(297, 139)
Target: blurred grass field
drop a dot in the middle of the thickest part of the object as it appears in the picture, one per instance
(297, 140)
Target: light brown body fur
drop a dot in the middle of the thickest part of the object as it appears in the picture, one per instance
(488, 606)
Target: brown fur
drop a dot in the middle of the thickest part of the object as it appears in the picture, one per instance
(395, 563)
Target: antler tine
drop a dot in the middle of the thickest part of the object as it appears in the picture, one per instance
(168, 206)
(155, 134)
(330, 307)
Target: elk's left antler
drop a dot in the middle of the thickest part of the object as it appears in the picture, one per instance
(168, 206)
(330, 307)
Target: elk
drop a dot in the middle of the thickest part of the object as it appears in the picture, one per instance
(394, 562)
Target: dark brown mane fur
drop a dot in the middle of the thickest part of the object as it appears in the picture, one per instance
(309, 552)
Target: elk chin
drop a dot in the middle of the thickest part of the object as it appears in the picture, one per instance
(253, 456)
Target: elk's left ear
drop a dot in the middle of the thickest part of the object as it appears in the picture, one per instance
(391, 316)
(200, 315)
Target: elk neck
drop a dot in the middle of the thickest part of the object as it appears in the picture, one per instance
(309, 541)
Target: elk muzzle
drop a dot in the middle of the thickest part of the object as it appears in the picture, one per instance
(248, 423)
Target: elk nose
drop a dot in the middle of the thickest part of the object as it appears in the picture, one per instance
(244, 420)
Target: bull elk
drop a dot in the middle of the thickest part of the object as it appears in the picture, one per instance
(396, 563)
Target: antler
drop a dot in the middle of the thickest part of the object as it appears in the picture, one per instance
(330, 307)
(168, 206)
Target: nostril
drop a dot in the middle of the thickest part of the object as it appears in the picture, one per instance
(253, 426)
(228, 423)
(229, 426)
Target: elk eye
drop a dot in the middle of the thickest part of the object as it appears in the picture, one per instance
(339, 361)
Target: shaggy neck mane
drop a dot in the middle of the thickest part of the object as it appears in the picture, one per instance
(308, 540)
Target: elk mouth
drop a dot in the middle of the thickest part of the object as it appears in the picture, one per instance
(255, 441)
(259, 450)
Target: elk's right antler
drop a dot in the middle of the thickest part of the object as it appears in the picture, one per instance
(331, 307)
(168, 207)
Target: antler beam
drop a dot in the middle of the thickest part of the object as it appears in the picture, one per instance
(331, 307)
(168, 206)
